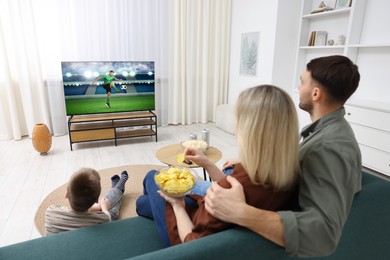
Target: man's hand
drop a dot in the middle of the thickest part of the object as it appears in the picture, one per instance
(229, 205)
(224, 204)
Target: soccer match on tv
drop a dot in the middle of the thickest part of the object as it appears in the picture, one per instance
(93, 87)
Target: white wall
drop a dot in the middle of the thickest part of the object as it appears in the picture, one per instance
(251, 16)
(286, 44)
(277, 22)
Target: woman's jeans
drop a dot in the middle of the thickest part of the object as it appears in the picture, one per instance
(201, 186)
(152, 205)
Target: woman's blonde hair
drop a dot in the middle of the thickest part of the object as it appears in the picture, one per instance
(267, 136)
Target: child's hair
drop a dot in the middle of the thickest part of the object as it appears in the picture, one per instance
(267, 136)
(83, 189)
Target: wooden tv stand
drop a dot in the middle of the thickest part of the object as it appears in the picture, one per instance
(98, 127)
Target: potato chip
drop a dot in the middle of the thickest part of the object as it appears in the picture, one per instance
(180, 158)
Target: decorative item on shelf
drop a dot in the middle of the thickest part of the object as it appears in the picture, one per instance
(41, 138)
(330, 42)
(317, 38)
(340, 40)
(321, 8)
(320, 39)
(341, 4)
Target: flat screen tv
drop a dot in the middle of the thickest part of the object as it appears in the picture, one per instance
(88, 89)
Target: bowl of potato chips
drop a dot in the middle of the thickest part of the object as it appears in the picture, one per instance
(175, 181)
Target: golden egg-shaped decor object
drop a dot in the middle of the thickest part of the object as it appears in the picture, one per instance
(41, 138)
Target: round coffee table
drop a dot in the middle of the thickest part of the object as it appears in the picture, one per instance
(168, 155)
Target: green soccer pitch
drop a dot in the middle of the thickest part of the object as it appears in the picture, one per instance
(79, 106)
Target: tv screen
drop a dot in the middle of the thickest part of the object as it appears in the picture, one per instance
(93, 87)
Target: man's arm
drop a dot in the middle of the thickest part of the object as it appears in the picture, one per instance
(326, 195)
(330, 174)
(229, 205)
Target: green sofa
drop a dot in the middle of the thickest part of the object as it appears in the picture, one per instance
(366, 236)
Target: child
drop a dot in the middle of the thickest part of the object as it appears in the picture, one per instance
(83, 192)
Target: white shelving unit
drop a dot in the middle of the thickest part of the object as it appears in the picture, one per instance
(365, 26)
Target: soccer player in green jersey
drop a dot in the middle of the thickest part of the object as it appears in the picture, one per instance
(108, 84)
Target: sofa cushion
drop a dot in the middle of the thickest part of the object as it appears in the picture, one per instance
(366, 234)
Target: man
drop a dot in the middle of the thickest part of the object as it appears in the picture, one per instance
(330, 162)
(108, 84)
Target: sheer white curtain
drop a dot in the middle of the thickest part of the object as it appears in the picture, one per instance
(22, 100)
(190, 50)
(36, 35)
(198, 59)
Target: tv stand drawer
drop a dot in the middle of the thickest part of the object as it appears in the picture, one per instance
(92, 135)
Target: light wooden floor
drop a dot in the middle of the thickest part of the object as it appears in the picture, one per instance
(26, 178)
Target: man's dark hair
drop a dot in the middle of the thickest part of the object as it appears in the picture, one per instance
(111, 71)
(337, 75)
(84, 189)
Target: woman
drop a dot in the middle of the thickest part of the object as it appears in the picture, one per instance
(267, 138)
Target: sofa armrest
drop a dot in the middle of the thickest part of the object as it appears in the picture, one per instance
(225, 118)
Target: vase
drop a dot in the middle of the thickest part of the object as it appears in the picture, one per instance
(41, 138)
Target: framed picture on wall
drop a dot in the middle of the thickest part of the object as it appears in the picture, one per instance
(248, 53)
(341, 4)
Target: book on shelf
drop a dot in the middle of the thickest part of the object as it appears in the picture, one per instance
(311, 38)
(317, 38)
